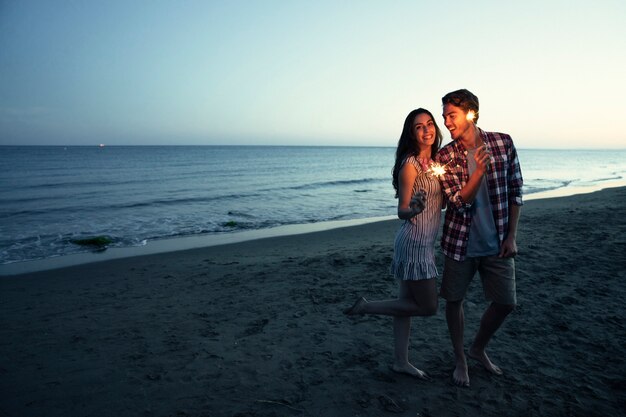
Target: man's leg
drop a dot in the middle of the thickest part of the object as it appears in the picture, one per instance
(491, 321)
(498, 278)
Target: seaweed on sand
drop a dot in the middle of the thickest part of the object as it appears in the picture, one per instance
(96, 242)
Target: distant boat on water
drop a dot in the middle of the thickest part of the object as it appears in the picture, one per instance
(102, 145)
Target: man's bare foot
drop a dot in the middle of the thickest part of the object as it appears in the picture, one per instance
(411, 370)
(481, 356)
(357, 307)
(460, 377)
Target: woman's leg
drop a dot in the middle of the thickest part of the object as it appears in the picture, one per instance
(421, 295)
(416, 298)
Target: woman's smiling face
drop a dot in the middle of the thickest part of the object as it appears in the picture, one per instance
(424, 130)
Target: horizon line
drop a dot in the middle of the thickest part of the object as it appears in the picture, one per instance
(281, 146)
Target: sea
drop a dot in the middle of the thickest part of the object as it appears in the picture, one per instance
(55, 198)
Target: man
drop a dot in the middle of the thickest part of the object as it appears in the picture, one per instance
(482, 186)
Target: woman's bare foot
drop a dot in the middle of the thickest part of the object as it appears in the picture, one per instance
(482, 357)
(411, 370)
(357, 307)
(460, 377)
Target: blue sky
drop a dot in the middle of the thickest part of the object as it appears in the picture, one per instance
(550, 73)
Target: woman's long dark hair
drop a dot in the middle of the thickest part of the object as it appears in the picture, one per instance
(407, 145)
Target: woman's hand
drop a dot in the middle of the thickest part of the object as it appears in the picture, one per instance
(418, 202)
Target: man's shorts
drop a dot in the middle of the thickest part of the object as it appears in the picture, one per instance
(497, 275)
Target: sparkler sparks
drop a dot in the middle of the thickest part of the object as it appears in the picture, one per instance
(471, 115)
(437, 170)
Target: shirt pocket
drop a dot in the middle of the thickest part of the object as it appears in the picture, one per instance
(500, 165)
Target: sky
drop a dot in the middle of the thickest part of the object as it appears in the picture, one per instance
(551, 73)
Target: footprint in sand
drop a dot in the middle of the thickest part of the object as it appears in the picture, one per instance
(255, 327)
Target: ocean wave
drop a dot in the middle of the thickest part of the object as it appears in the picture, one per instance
(29, 248)
(617, 177)
(84, 182)
(94, 203)
(97, 206)
(186, 200)
(323, 184)
(538, 185)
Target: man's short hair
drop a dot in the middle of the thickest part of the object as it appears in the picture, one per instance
(464, 99)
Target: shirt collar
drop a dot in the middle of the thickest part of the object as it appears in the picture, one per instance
(459, 146)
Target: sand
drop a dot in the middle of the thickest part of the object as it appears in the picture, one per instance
(256, 329)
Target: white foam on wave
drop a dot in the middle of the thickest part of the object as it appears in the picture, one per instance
(177, 244)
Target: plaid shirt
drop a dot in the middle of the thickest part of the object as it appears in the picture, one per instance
(504, 182)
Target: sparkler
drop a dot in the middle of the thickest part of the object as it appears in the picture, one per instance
(471, 115)
(437, 170)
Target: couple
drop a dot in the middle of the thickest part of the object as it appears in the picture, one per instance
(482, 191)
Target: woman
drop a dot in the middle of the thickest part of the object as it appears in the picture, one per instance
(419, 204)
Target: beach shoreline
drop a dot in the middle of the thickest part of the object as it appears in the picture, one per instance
(255, 328)
(165, 245)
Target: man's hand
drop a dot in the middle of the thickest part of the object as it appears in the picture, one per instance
(482, 158)
(508, 248)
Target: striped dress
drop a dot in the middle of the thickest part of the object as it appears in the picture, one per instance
(414, 247)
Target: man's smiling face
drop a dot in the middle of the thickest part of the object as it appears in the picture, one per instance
(456, 121)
